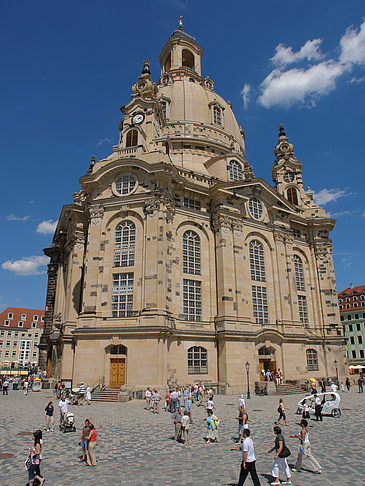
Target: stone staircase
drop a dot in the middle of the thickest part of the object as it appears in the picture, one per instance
(105, 396)
(289, 389)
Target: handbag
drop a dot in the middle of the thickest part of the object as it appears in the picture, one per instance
(285, 452)
(301, 450)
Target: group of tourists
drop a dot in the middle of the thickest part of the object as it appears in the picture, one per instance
(271, 375)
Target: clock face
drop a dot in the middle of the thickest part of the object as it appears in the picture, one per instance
(289, 176)
(138, 118)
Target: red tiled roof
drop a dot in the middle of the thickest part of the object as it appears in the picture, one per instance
(352, 291)
(17, 314)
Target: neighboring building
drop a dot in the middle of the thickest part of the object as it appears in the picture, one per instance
(20, 332)
(351, 303)
(175, 264)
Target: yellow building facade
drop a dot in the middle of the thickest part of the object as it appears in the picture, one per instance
(175, 264)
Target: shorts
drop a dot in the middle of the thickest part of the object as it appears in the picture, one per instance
(84, 443)
(31, 472)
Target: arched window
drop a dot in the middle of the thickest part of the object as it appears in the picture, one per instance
(132, 138)
(191, 253)
(257, 261)
(217, 115)
(292, 195)
(299, 274)
(118, 349)
(168, 63)
(125, 241)
(235, 171)
(188, 59)
(255, 208)
(312, 359)
(197, 360)
(164, 107)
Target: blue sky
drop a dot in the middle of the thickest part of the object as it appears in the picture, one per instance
(67, 67)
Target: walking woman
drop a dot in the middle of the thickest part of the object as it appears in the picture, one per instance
(305, 449)
(282, 452)
(242, 422)
(212, 425)
(34, 456)
(88, 395)
(49, 416)
(281, 412)
(91, 458)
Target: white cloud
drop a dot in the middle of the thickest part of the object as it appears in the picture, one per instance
(347, 262)
(356, 80)
(337, 214)
(27, 265)
(105, 140)
(325, 196)
(47, 227)
(285, 55)
(352, 46)
(246, 95)
(299, 85)
(12, 217)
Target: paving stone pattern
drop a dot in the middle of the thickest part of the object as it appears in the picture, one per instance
(136, 447)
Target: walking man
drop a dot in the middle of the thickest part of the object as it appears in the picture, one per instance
(148, 395)
(360, 382)
(248, 464)
(176, 417)
(318, 408)
(174, 397)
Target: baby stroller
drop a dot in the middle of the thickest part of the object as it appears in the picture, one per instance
(68, 422)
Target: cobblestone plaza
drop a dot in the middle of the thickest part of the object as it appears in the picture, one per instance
(136, 447)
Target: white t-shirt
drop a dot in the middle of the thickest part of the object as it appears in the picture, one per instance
(241, 402)
(148, 394)
(247, 445)
(334, 388)
(210, 405)
(63, 404)
(174, 395)
(185, 421)
(318, 401)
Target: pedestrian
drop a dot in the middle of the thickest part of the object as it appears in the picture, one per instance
(156, 397)
(281, 412)
(49, 416)
(148, 395)
(178, 397)
(88, 395)
(342, 386)
(83, 442)
(348, 386)
(212, 426)
(167, 401)
(334, 387)
(306, 414)
(25, 387)
(34, 456)
(185, 395)
(241, 401)
(82, 392)
(188, 407)
(282, 452)
(63, 406)
(176, 417)
(5, 386)
(305, 449)
(185, 423)
(91, 438)
(173, 399)
(323, 386)
(318, 408)
(242, 422)
(210, 404)
(360, 382)
(248, 464)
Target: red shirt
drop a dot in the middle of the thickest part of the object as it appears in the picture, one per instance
(93, 436)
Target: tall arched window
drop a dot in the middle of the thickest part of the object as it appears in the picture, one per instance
(132, 138)
(217, 115)
(188, 59)
(197, 360)
(257, 261)
(292, 195)
(125, 241)
(191, 253)
(312, 359)
(299, 274)
(235, 171)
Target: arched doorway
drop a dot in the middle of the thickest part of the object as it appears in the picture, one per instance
(267, 362)
(118, 356)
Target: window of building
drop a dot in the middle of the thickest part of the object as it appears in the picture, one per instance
(118, 349)
(259, 301)
(23, 317)
(312, 359)
(361, 353)
(255, 208)
(192, 300)
(125, 240)
(356, 316)
(292, 195)
(192, 204)
(132, 138)
(7, 323)
(303, 310)
(347, 299)
(34, 325)
(20, 324)
(217, 115)
(7, 344)
(353, 353)
(9, 333)
(340, 300)
(164, 108)
(10, 315)
(125, 185)
(299, 274)
(1, 343)
(191, 253)
(42, 318)
(347, 306)
(342, 318)
(36, 335)
(6, 354)
(235, 170)
(352, 340)
(197, 360)
(362, 297)
(355, 304)
(297, 233)
(257, 261)
(359, 339)
(35, 355)
(15, 344)
(23, 334)
(188, 59)
(2, 333)
(350, 327)
(354, 298)
(358, 327)
(122, 294)
(24, 350)
(349, 317)
(35, 318)
(341, 307)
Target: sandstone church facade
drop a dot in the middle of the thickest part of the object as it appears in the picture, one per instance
(175, 264)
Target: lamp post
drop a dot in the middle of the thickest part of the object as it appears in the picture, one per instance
(248, 380)
(336, 366)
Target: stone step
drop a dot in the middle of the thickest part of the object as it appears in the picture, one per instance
(105, 396)
(288, 389)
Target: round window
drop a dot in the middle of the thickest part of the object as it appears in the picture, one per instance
(255, 208)
(125, 185)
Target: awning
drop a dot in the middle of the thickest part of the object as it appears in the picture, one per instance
(356, 367)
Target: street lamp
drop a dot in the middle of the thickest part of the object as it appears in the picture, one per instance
(336, 366)
(248, 380)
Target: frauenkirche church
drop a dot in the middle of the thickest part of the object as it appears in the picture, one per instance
(175, 264)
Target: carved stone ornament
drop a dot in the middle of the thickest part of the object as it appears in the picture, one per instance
(79, 197)
(77, 240)
(96, 214)
(57, 319)
(323, 250)
(282, 237)
(151, 206)
(222, 222)
(237, 227)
